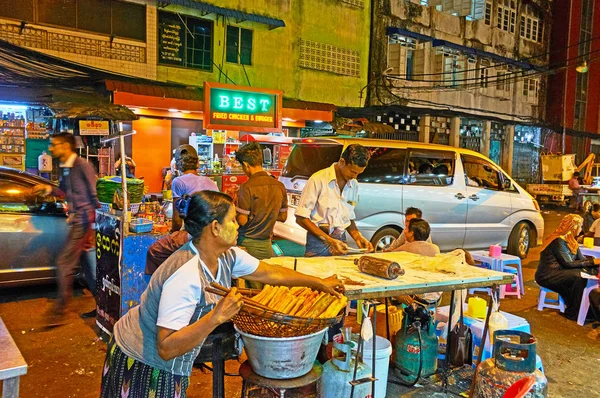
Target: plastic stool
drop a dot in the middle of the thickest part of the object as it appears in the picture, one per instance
(543, 302)
(486, 290)
(349, 309)
(515, 261)
(517, 281)
(585, 301)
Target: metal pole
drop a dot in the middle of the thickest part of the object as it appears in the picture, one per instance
(564, 129)
(124, 182)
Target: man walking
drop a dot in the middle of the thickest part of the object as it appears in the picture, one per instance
(78, 185)
(262, 200)
(326, 207)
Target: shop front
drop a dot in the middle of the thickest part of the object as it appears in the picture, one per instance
(217, 123)
(214, 120)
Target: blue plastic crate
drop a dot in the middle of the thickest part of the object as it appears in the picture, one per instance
(141, 225)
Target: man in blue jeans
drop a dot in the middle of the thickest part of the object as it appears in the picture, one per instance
(77, 183)
(326, 207)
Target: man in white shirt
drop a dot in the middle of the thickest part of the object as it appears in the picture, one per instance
(326, 207)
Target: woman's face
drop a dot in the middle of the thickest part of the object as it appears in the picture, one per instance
(228, 230)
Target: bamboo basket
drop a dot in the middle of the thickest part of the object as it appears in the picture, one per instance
(262, 321)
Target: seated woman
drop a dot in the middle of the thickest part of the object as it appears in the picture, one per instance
(561, 264)
(155, 344)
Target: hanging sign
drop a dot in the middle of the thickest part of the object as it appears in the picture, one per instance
(93, 127)
(231, 107)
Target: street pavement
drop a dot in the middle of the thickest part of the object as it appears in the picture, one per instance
(66, 361)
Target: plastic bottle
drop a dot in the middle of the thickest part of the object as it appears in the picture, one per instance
(497, 322)
(441, 331)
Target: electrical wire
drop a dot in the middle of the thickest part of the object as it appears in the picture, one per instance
(507, 63)
(490, 81)
(503, 77)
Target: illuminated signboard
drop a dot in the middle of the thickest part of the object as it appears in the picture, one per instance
(231, 107)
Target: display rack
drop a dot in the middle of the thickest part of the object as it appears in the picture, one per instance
(12, 141)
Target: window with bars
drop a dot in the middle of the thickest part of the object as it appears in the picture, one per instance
(405, 58)
(450, 66)
(506, 15)
(531, 24)
(329, 58)
(484, 73)
(239, 45)
(503, 80)
(530, 89)
(488, 13)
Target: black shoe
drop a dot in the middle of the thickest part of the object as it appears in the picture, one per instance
(91, 314)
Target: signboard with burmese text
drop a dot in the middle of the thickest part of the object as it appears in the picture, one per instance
(232, 107)
(93, 127)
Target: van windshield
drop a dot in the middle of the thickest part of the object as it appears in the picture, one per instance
(305, 160)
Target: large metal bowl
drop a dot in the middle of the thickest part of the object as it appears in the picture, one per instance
(284, 357)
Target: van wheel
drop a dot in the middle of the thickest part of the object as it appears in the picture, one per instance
(384, 238)
(519, 241)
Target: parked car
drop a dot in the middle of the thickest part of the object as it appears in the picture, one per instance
(468, 200)
(32, 230)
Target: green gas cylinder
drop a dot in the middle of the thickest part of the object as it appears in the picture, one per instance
(416, 357)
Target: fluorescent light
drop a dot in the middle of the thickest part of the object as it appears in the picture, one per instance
(318, 121)
(185, 112)
(134, 110)
(287, 119)
(173, 110)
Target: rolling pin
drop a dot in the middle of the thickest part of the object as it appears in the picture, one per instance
(379, 267)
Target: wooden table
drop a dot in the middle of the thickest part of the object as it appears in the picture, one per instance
(419, 277)
(422, 275)
(12, 364)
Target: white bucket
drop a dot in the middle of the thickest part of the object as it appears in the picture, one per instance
(383, 350)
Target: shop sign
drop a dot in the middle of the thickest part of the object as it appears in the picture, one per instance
(170, 39)
(231, 107)
(93, 127)
(108, 279)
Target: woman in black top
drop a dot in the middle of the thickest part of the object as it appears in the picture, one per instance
(561, 264)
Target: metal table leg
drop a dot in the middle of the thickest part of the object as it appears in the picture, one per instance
(10, 387)
(446, 370)
(373, 356)
(218, 369)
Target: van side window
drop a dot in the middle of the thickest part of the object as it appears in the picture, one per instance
(386, 166)
(429, 168)
(480, 173)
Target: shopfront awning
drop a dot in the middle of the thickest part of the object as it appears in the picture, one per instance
(238, 16)
(100, 110)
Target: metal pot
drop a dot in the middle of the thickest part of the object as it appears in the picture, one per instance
(282, 358)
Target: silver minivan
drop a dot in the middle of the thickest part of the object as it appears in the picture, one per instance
(468, 200)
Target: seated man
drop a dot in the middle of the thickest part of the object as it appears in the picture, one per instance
(409, 214)
(417, 234)
(589, 219)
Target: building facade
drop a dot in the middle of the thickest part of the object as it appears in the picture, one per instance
(574, 104)
(316, 52)
(314, 56)
(467, 73)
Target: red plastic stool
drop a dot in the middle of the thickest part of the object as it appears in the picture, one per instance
(520, 388)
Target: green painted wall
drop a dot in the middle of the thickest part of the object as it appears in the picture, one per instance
(276, 53)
